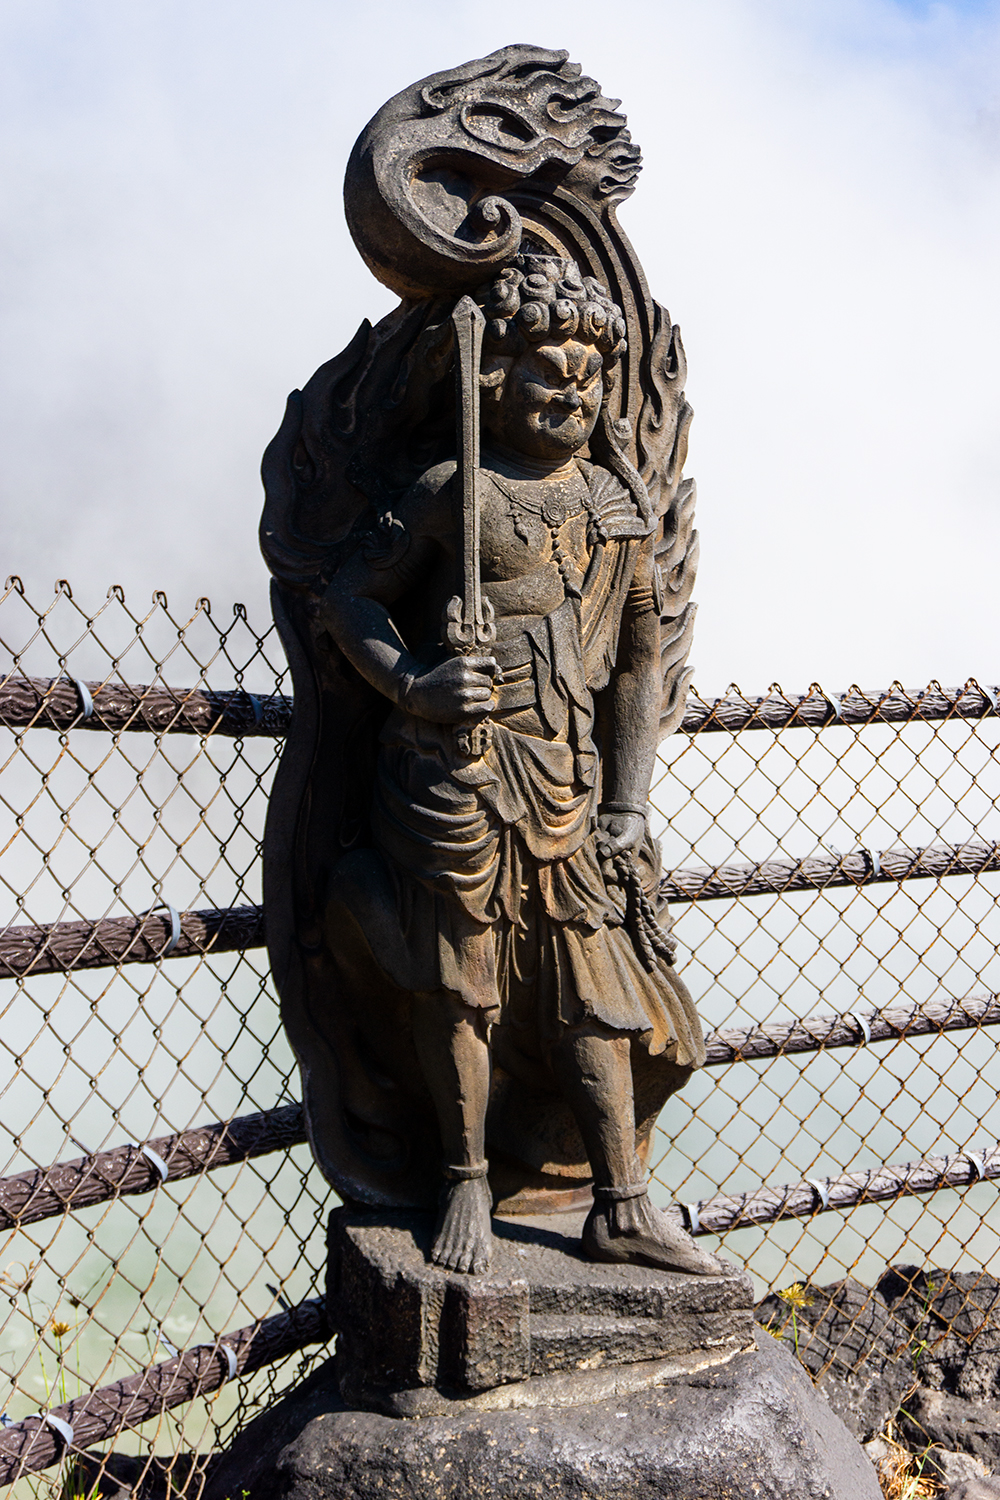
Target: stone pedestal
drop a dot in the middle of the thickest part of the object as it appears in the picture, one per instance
(550, 1377)
(544, 1326)
(751, 1428)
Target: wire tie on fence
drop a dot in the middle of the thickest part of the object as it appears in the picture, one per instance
(874, 860)
(863, 1022)
(151, 1156)
(837, 705)
(694, 1223)
(230, 1360)
(821, 1189)
(991, 694)
(171, 1349)
(83, 693)
(63, 1428)
(258, 709)
(978, 1160)
(175, 925)
(282, 1302)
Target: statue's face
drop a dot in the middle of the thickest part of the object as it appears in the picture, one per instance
(548, 403)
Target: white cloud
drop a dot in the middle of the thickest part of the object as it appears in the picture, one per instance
(818, 209)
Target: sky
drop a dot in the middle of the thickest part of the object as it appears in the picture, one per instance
(819, 209)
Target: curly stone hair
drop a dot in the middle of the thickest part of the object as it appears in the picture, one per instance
(538, 297)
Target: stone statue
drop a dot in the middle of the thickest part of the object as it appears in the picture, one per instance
(483, 556)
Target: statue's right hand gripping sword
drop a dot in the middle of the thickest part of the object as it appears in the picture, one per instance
(468, 617)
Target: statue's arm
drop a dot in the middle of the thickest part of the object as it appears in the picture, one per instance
(356, 610)
(631, 713)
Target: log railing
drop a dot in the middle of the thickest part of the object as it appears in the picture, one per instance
(101, 1416)
(57, 703)
(122, 1171)
(63, 947)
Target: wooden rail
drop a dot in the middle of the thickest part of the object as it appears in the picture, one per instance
(56, 703)
(860, 867)
(125, 1170)
(63, 947)
(27, 1197)
(821, 1033)
(800, 1200)
(101, 1416)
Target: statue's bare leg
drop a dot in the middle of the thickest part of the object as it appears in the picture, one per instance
(595, 1075)
(454, 1055)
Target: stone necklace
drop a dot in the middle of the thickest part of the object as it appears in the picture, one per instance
(554, 511)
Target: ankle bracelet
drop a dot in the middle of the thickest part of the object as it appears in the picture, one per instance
(465, 1174)
(621, 1194)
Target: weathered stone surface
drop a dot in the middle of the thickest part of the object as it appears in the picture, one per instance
(953, 1422)
(975, 1488)
(406, 1325)
(853, 1345)
(953, 1320)
(955, 1469)
(752, 1429)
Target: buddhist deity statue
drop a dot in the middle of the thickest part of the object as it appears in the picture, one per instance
(483, 556)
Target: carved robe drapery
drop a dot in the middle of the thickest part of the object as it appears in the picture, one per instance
(501, 895)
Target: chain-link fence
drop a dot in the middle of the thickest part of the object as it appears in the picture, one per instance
(832, 876)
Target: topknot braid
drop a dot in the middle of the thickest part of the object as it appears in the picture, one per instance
(539, 296)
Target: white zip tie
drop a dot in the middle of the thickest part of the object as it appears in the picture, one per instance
(821, 1189)
(150, 1155)
(64, 1430)
(837, 704)
(83, 693)
(170, 1348)
(175, 925)
(6, 1421)
(863, 1022)
(978, 1160)
(875, 860)
(157, 1161)
(693, 1219)
(231, 1360)
(991, 694)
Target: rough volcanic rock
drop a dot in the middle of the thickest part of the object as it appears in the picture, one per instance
(954, 1470)
(853, 1346)
(953, 1318)
(952, 1422)
(751, 1429)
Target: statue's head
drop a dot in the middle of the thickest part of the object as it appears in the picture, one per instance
(551, 344)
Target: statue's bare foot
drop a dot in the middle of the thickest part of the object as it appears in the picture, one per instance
(634, 1232)
(464, 1236)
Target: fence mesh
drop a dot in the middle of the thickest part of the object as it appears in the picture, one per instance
(112, 824)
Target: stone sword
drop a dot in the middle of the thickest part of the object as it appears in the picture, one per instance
(468, 617)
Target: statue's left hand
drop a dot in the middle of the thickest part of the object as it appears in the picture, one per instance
(619, 832)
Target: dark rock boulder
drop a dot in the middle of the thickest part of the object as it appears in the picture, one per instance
(751, 1429)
